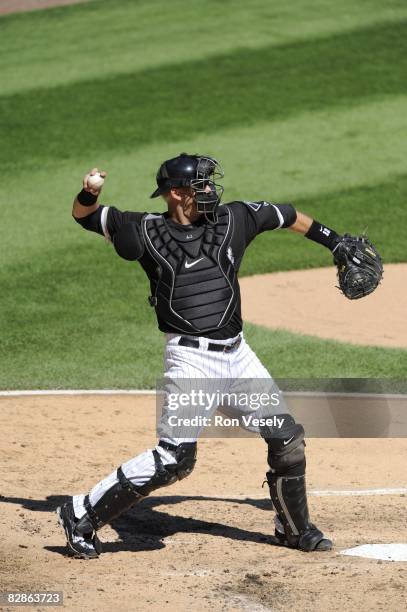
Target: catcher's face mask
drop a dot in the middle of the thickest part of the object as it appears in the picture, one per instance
(208, 170)
(198, 172)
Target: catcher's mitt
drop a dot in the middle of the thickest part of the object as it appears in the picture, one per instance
(359, 264)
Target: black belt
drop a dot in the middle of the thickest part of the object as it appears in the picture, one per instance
(220, 348)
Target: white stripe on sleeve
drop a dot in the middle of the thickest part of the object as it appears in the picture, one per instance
(279, 215)
(103, 222)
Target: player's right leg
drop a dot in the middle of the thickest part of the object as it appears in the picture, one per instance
(172, 459)
(131, 482)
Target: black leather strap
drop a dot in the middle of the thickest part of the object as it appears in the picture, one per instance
(167, 445)
(93, 517)
(184, 341)
(219, 348)
(126, 483)
(224, 348)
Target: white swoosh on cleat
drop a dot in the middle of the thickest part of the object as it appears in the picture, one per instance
(189, 265)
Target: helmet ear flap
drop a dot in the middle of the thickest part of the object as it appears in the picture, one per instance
(163, 171)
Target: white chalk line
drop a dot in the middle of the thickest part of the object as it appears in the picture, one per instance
(78, 392)
(322, 493)
(344, 394)
(315, 493)
(386, 491)
(39, 392)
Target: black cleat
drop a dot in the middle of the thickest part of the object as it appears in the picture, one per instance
(80, 545)
(309, 541)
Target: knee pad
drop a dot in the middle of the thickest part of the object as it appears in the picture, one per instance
(286, 450)
(185, 457)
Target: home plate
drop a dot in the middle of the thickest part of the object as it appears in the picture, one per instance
(387, 552)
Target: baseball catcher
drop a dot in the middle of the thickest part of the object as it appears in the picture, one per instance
(191, 255)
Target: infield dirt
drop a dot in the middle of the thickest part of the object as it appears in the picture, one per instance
(308, 302)
(17, 6)
(204, 543)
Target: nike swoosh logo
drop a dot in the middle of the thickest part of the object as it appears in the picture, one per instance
(193, 263)
(285, 442)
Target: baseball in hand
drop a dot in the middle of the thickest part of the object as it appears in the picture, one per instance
(95, 181)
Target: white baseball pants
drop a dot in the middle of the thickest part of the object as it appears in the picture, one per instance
(182, 362)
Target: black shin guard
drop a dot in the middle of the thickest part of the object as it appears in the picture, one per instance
(286, 480)
(289, 497)
(119, 498)
(124, 494)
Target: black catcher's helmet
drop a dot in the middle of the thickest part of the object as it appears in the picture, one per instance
(195, 171)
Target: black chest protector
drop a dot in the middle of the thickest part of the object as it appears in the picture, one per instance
(194, 286)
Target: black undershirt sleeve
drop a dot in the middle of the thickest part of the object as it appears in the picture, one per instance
(91, 222)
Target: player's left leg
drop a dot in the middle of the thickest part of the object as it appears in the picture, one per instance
(286, 480)
(286, 458)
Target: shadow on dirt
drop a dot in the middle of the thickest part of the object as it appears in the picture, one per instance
(144, 527)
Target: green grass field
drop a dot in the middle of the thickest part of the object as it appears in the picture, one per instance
(302, 102)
